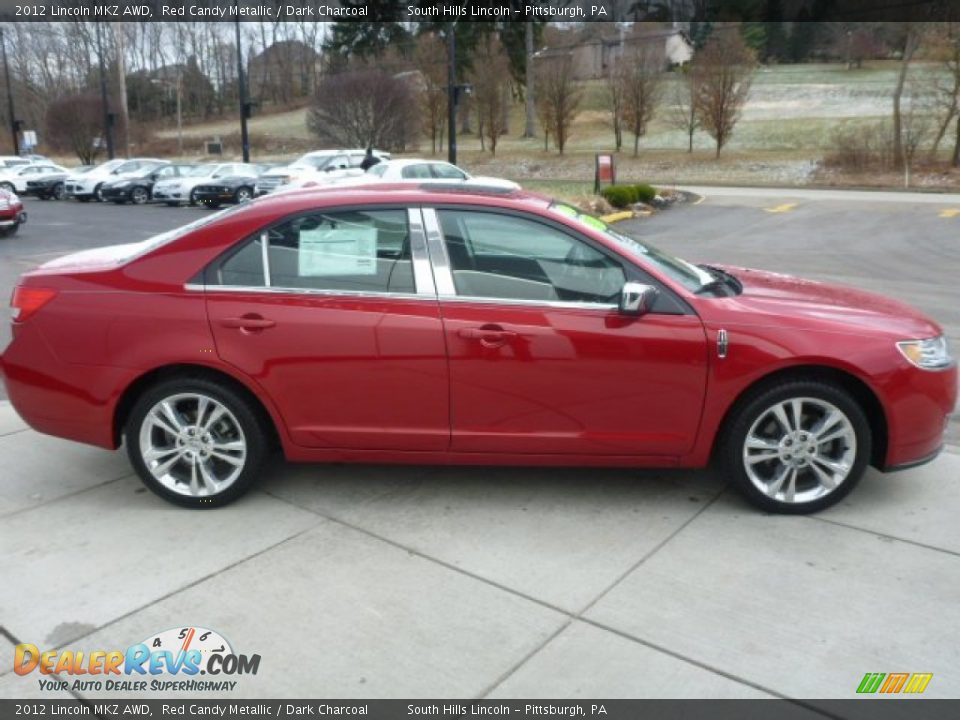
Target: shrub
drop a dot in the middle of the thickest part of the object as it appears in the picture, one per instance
(620, 196)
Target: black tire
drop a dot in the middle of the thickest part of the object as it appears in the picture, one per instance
(59, 191)
(139, 195)
(193, 198)
(98, 193)
(7, 186)
(246, 415)
(243, 194)
(752, 409)
(213, 205)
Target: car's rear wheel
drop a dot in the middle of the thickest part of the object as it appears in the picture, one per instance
(195, 442)
(139, 196)
(797, 447)
(243, 194)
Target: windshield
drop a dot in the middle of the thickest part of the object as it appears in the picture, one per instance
(312, 162)
(108, 165)
(201, 170)
(687, 274)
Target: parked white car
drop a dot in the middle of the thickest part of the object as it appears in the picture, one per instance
(86, 186)
(9, 161)
(14, 178)
(180, 189)
(426, 171)
(321, 167)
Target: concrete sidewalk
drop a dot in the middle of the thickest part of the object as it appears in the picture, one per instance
(363, 581)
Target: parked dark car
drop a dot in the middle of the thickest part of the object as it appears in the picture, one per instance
(232, 189)
(49, 187)
(138, 189)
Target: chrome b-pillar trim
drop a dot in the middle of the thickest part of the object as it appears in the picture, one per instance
(265, 256)
(422, 272)
(442, 274)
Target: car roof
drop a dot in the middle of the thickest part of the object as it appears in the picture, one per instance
(407, 193)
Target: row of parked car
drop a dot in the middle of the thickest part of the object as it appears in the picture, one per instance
(144, 180)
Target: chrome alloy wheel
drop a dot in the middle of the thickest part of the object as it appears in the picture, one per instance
(799, 450)
(192, 445)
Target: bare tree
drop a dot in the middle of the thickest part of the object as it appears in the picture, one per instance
(491, 80)
(614, 86)
(684, 110)
(642, 76)
(74, 124)
(725, 69)
(530, 108)
(558, 96)
(944, 46)
(429, 57)
(364, 107)
(909, 44)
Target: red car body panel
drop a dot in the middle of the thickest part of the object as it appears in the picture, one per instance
(393, 379)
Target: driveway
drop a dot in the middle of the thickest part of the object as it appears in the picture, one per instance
(368, 581)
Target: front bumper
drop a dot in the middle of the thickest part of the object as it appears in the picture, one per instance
(918, 405)
(167, 195)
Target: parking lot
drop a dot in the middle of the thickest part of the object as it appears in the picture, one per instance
(367, 581)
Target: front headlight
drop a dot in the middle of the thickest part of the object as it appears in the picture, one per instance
(929, 354)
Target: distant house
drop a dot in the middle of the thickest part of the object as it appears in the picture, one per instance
(593, 59)
(285, 71)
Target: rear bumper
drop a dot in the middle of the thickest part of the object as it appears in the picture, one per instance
(17, 218)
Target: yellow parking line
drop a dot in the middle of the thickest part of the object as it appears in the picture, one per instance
(786, 207)
(617, 216)
(950, 213)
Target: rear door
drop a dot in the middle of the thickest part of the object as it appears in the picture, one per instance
(334, 313)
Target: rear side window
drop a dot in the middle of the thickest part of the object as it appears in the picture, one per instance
(349, 250)
(416, 172)
(448, 172)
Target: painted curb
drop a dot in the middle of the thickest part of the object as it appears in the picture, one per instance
(617, 216)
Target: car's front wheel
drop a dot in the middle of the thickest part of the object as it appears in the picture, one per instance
(139, 195)
(242, 195)
(195, 442)
(796, 447)
(59, 191)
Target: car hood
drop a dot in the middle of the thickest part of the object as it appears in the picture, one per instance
(769, 293)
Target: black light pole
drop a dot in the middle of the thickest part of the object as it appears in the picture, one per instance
(13, 119)
(241, 83)
(107, 119)
(452, 95)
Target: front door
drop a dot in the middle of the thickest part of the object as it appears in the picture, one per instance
(541, 361)
(328, 313)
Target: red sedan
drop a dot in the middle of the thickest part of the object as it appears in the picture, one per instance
(12, 214)
(471, 326)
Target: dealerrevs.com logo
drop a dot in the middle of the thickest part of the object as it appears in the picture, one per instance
(188, 659)
(894, 683)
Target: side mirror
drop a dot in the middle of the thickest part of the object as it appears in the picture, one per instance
(637, 298)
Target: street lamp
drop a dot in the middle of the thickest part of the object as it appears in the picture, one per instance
(453, 93)
(244, 105)
(13, 119)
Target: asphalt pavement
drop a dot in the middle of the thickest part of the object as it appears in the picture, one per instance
(369, 581)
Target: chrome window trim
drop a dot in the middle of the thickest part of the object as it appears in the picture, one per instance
(437, 247)
(274, 290)
(560, 304)
(423, 279)
(265, 256)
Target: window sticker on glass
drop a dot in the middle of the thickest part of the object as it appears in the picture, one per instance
(340, 249)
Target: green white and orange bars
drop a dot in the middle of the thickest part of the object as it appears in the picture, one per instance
(892, 683)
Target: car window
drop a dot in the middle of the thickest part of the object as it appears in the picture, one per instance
(512, 258)
(448, 172)
(340, 162)
(421, 171)
(378, 170)
(350, 250)
(356, 160)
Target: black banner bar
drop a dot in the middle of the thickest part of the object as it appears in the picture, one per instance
(112, 709)
(470, 10)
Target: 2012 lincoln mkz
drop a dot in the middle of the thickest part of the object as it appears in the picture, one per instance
(413, 324)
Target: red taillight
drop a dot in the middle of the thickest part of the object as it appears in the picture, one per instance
(27, 300)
